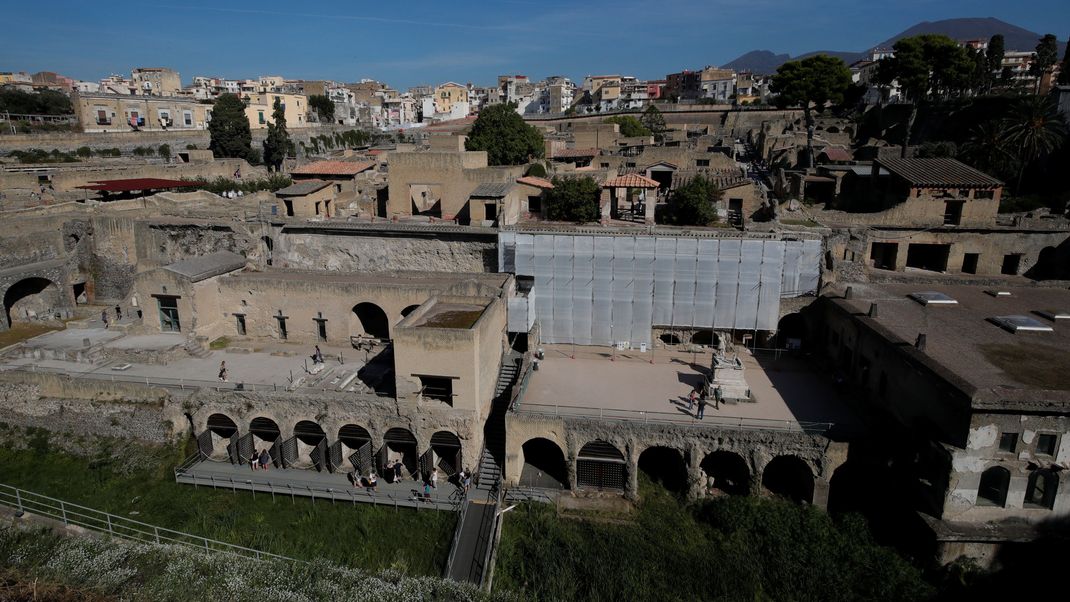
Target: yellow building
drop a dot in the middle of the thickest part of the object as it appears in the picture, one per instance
(259, 107)
(156, 81)
(449, 94)
(115, 113)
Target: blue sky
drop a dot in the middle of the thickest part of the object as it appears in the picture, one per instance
(409, 42)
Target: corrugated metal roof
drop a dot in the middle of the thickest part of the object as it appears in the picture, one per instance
(206, 266)
(492, 190)
(302, 188)
(939, 173)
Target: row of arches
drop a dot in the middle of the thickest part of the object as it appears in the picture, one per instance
(994, 486)
(309, 446)
(600, 465)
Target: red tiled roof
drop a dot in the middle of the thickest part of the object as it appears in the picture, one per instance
(837, 154)
(631, 180)
(375, 152)
(138, 184)
(333, 168)
(567, 153)
(536, 182)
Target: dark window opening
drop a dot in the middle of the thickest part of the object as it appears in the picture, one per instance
(240, 324)
(1040, 492)
(534, 204)
(289, 208)
(1046, 444)
(1011, 264)
(953, 213)
(281, 319)
(321, 326)
(1008, 442)
(928, 257)
(439, 388)
(984, 194)
(969, 263)
(883, 255)
(491, 211)
(168, 307)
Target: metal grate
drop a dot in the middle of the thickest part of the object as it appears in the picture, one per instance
(600, 474)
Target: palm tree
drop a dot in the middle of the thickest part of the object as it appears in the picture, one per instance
(1034, 129)
(988, 151)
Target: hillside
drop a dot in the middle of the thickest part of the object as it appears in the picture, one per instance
(972, 28)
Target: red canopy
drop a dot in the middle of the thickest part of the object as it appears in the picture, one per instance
(139, 184)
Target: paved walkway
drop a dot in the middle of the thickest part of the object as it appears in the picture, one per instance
(314, 484)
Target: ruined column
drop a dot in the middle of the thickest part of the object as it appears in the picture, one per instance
(696, 478)
(649, 204)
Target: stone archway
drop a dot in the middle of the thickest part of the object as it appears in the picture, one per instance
(408, 310)
(600, 465)
(789, 477)
(30, 296)
(371, 320)
(664, 465)
(726, 472)
(544, 465)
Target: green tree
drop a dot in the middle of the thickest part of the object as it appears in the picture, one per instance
(165, 151)
(927, 66)
(45, 102)
(84, 152)
(1034, 129)
(229, 129)
(693, 204)
(629, 126)
(653, 120)
(323, 106)
(987, 151)
(1045, 57)
(505, 136)
(277, 145)
(815, 80)
(536, 170)
(573, 200)
(994, 57)
(1064, 68)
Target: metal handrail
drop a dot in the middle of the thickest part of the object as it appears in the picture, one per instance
(456, 535)
(491, 536)
(119, 526)
(352, 495)
(625, 415)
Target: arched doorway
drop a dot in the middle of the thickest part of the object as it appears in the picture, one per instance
(601, 466)
(269, 249)
(311, 445)
(372, 320)
(222, 439)
(408, 310)
(704, 337)
(664, 466)
(265, 434)
(357, 448)
(30, 297)
(399, 445)
(669, 338)
(1042, 488)
(726, 473)
(445, 453)
(992, 491)
(791, 332)
(544, 465)
(790, 477)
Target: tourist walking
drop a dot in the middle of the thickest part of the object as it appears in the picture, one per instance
(467, 481)
(104, 317)
(397, 471)
(691, 399)
(118, 313)
(265, 460)
(223, 371)
(701, 407)
(254, 460)
(434, 478)
(317, 357)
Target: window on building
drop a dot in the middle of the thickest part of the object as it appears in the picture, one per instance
(187, 118)
(321, 326)
(953, 213)
(1011, 264)
(984, 194)
(969, 263)
(1046, 444)
(534, 204)
(1040, 492)
(1008, 442)
(260, 116)
(439, 388)
(702, 162)
(490, 211)
(993, 488)
(604, 165)
(240, 324)
(281, 319)
(168, 307)
(882, 255)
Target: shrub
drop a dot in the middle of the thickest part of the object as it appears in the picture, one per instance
(573, 200)
(536, 170)
(84, 152)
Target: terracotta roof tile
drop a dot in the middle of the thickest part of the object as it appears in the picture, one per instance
(536, 182)
(631, 180)
(333, 168)
(567, 153)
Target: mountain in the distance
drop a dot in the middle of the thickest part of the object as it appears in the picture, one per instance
(981, 28)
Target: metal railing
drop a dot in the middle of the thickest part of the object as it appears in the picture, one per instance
(486, 569)
(119, 526)
(345, 494)
(644, 416)
(456, 535)
(176, 383)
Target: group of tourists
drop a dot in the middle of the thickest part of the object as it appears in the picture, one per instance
(700, 396)
(104, 317)
(260, 460)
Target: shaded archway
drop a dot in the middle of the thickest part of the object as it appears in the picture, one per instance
(1042, 489)
(30, 296)
(669, 338)
(544, 465)
(600, 465)
(791, 332)
(399, 444)
(704, 337)
(664, 466)
(726, 472)
(992, 490)
(223, 438)
(445, 453)
(372, 320)
(790, 477)
(264, 433)
(408, 310)
(269, 249)
(356, 444)
(311, 445)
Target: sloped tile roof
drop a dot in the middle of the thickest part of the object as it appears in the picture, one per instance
(493, 190)
(302, 187)
(631, 180)
(536, 182)
(333, 168)
(568, 153)
(939, 173)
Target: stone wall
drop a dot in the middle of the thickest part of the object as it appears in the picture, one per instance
(388, 251)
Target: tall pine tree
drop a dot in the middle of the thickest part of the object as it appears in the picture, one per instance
(229, 129)
(277, 145)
